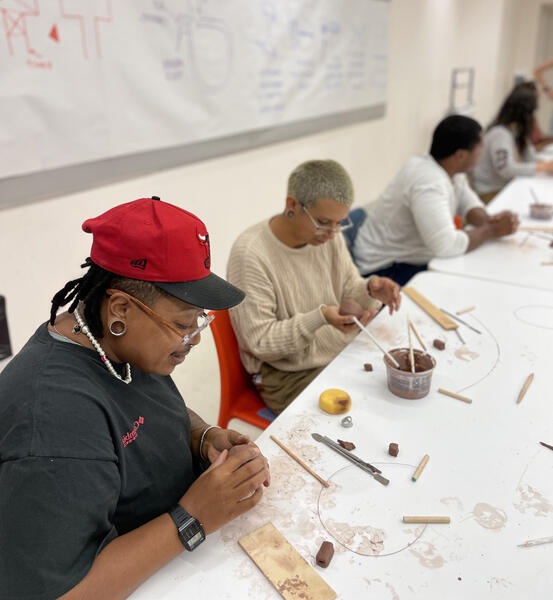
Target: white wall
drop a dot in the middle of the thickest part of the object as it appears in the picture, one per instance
(41, 245)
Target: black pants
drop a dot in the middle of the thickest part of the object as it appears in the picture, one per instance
(399, 272)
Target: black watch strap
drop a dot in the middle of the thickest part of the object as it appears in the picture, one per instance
(190, 530)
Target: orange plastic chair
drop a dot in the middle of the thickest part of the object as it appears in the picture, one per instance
(239, 398)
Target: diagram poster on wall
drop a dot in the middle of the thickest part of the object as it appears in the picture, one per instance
(86, 80)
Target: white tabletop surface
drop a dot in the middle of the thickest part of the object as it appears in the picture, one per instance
(486, 469)
(516, 259)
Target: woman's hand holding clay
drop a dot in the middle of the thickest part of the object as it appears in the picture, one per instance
(230, 487)
(503, 223)
(341, 317)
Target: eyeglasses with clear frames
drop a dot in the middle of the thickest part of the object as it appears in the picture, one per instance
(203, 319)
(346, 223)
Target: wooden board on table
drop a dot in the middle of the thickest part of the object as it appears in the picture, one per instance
(438, 316)
(283, 566)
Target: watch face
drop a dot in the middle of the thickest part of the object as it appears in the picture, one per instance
(196, 539)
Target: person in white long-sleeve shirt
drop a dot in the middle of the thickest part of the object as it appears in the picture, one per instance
(508, 151)
(413, 219)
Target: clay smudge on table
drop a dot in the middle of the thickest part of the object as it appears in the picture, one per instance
(465, 354)
(363, 539)
(427, 555)
(494, 582)
(386, 337)
(532, 500)
(452, 502)
(388, 586)
(489, 516)
(327, 499)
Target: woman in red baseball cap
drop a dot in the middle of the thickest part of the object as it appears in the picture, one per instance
(105, 474)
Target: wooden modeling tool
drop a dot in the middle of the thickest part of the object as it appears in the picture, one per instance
(525, 387)
(547, 262)
(465, 310)
(411, 355)
(426, 520)
(545, 228)
(454, 395)
(417, 334)
(363, 328)
(536, 542)
(299, 461)
(283, 566)
(438, 316)
(461, 321)
(546, 445)
(420, 468)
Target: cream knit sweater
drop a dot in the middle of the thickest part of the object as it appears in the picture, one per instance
(280, 321)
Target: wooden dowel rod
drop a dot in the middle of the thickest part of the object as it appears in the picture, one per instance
(454, 395)
(426, 520)
(547, 262)
(465, 310)
(545, 228)
(299, 461)
(525, 387)
(389, 356)
(417, 335)
(411, 355)
(420, 468)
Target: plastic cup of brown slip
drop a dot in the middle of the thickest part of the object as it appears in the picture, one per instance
(541, 211)
(402, 382)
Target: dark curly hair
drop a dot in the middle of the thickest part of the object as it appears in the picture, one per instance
(519, 108)
(91, 290)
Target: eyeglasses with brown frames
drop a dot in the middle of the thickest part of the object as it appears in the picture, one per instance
(203, 319)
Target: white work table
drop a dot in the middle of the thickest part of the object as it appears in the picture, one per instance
(516, 259)
(486, 469)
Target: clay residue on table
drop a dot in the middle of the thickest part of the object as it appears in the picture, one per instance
(388, 586)
(465, 354)
(427, 555)
(452, 502)
(363, 539)
(489, 516)
(532, 500)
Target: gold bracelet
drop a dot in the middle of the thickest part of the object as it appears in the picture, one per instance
(203, 438)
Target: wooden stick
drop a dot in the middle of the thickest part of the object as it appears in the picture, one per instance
(547, 262)
(546, 445)
(454, 395)
(525, 387)
(429, 308)
(464, 310)
(411, 357)
(420, 468)
(536, 542)
(299, 461)
(535, 228)
(426, 520)
(417, 334)
(389, 356)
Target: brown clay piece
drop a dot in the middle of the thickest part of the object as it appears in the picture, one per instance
(347, 445)
(351, 307)
(439, 344)
(393, 449)
(325, 554)
(368, 367)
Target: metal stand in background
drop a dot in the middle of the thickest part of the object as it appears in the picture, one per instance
(461, 91)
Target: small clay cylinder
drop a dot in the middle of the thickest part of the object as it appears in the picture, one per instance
(393, 449)
(325, 554)
(440, 344)
(368, 367)
(347, 445)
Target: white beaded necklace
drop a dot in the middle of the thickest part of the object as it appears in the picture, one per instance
(84, 328)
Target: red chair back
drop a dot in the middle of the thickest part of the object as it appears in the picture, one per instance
(239, 398)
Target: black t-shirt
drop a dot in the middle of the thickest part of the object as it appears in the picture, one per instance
(83, 458)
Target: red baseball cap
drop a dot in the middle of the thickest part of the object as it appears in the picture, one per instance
(154, 241)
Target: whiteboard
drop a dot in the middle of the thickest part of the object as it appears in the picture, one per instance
(94, 80)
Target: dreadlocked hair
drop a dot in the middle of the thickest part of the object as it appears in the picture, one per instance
(91, 290)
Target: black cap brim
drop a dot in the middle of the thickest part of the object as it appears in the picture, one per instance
(211, 292)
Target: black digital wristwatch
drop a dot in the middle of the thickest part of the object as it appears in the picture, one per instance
(191, 532)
